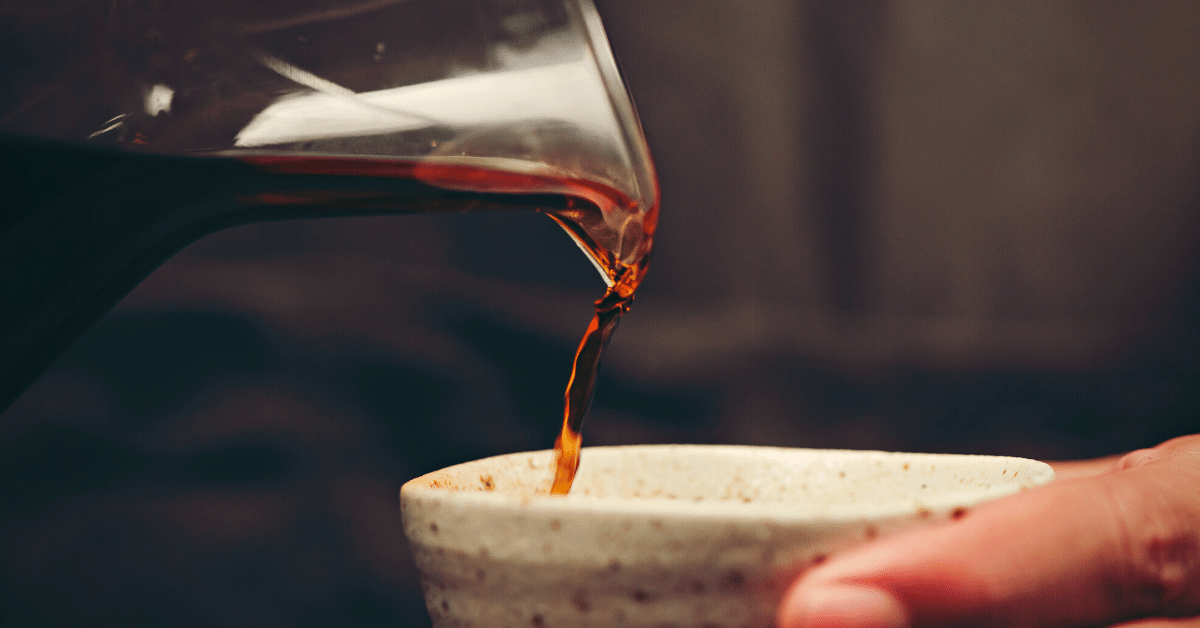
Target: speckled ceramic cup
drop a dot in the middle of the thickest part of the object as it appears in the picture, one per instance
(669, 535)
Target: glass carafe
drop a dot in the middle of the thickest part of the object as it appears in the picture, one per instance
(130, 129)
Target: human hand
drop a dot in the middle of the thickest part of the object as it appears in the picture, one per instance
(1111, 541)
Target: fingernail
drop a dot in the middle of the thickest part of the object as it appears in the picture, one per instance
(842, 606)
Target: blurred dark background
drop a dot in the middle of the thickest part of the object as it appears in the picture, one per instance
(906, 225)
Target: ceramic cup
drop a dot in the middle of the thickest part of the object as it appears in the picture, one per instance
(669, 535)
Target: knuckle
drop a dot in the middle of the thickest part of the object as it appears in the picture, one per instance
(1179, 448)
(1136, 459)
(1164, 570)
(1161, 551)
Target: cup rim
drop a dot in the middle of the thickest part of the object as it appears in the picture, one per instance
(429, 488)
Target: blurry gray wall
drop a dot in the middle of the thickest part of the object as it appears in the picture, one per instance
(944, 182)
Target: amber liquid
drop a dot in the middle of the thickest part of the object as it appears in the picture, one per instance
(613, 231)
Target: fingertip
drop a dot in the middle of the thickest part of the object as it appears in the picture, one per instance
(841, 606)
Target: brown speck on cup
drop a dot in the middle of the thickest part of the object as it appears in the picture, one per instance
(580, 602)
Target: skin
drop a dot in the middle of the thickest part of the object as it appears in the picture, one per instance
(1111, 542)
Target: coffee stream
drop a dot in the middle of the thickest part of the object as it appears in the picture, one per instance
(582, 385)
(638, 232)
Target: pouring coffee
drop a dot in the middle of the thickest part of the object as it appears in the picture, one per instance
(135, 130)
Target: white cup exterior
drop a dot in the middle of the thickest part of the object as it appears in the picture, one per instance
(669, 535)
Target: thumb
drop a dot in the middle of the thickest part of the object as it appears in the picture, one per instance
(1082, 552)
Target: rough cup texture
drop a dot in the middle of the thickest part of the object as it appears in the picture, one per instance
(669, 535)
